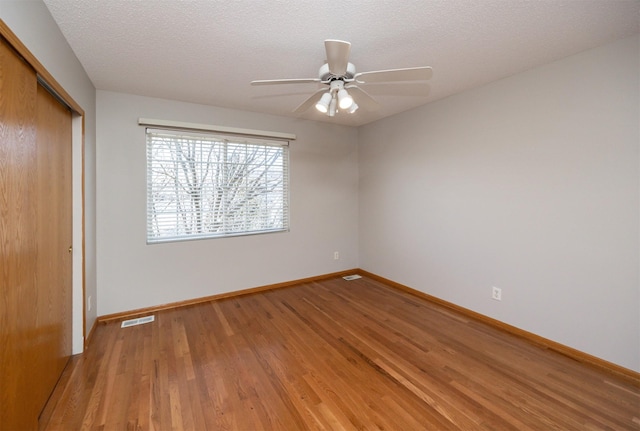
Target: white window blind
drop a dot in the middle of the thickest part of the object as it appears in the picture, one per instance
(203, 185)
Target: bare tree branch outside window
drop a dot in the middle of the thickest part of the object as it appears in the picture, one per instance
(205, 186)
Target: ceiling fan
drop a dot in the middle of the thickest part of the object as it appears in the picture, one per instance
(343, 82)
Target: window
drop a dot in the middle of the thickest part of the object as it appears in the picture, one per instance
(202, 185)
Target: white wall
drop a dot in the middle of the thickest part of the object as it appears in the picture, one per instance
(31, 21)
(530, 184)
(131, 274)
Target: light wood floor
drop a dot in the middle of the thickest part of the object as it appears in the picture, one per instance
(330, 355)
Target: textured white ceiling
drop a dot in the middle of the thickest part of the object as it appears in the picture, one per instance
(207, 51)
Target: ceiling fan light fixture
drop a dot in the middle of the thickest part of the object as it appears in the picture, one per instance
(345, 101)
(323, 103)
(353, 108)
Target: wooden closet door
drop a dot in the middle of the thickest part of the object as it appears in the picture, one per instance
(17, 240)
(35, 222)
(54, 230)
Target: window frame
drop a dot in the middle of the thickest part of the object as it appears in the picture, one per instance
(273, 147)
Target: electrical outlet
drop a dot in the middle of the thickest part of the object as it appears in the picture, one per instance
(89, 303)
(336, 255)
(496, 293)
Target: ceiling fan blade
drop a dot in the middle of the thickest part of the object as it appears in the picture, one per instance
(362, 98)
(397, 75)
(311, 100)
(405, 89)
(337, 55)
(285, 81)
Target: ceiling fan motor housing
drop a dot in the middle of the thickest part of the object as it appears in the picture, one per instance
(325, 75)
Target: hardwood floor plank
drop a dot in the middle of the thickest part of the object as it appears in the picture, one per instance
(331, 355)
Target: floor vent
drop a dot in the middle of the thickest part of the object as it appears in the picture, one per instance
(352, 277)
(138, 321)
